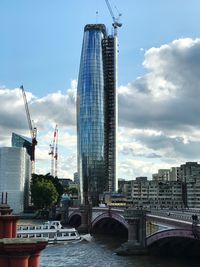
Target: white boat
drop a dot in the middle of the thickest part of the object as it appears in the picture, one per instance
(51, 230)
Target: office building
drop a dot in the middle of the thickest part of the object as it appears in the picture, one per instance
(76, 178)
(97, 114)
(22, 141)
(153, 194)
(190, 172)
(175, 174)
(15, 175)
(162, 175)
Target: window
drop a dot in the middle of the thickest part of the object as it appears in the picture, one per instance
(65, 234)
(45, 235)
(73, 234)
(31, 235)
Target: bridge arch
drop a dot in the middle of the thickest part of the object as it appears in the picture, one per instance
(74, 219)
(110, 223)
(171, 233)
(175, 241)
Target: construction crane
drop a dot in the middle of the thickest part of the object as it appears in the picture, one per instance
(54, 152)
(116, 24)
(33, 130)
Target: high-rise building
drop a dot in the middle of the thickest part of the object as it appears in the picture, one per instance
(162, 175)
(76, 178)
(22, 141)
(15, 175)
(97, 114)
(189, 172)
(175, 174)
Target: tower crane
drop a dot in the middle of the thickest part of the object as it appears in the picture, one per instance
(54, 152)
(116, 24)
(33, 130)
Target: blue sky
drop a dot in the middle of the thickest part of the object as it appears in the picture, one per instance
(41, 40)
(41, 46)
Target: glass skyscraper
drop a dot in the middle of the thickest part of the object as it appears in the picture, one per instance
(22, 141)
(96, 114)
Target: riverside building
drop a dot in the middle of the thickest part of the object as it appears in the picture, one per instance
(97, 114)
(153, 194)
(15, 175)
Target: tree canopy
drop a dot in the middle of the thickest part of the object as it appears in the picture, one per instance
(72, 190)
(45, 190)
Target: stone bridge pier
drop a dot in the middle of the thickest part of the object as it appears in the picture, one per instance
(136, 243)
(85, 211)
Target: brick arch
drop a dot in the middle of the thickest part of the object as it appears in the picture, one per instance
(117, 217)
(171, 233)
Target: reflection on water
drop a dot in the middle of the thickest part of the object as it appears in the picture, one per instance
(99, 251)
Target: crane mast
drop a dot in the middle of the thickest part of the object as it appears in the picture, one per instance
(54, 152)
(52, 157)
(33, 130)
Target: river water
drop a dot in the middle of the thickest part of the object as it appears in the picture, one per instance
(99, 251)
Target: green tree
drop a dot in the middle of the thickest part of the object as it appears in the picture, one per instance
(46, 180)
(57, 184)
(43, 193)
(73, 191)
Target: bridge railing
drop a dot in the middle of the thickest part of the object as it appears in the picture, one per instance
(172, 214)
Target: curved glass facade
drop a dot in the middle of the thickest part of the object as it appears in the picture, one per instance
(91, 116)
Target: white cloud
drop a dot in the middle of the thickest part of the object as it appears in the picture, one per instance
(56, 108)
(131, 168)
(166, 98)
(159, 112)
(158, 115)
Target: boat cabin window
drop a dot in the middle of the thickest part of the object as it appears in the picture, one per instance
(73, 234)
(45, 227)
(32, 228)
(51, 235)
(31, 235)
(38, 235)
(65, 234)
(52, 227)
(38, 227)
(24, 236)
(45, 235)
(59, 234)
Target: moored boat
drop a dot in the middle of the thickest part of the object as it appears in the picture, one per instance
(51, 230)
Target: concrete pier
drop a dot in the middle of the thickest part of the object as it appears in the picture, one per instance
(136, 244)
(85, 219)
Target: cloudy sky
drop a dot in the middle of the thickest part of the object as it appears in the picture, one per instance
(159, 78)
